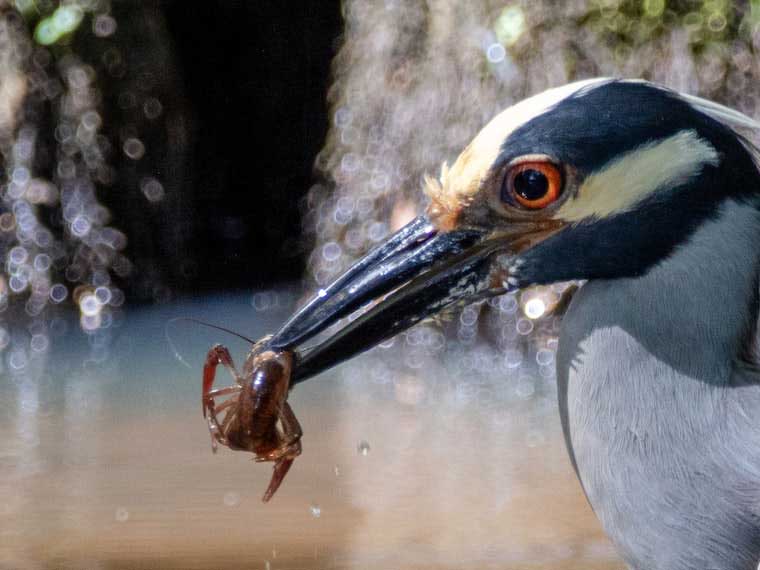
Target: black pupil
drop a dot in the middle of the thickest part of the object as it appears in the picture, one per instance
(531, 184)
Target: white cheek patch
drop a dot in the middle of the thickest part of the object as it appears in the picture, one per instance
(626, 181)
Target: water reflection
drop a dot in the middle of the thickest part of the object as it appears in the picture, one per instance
(455, 461)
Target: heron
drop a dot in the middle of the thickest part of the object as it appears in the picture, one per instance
(651, 198)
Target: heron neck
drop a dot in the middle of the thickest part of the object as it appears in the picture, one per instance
(695, 311)
(653, 405)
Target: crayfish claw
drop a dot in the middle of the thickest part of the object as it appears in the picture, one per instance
(280, 469)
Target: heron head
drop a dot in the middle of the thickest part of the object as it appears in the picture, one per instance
(599, 179)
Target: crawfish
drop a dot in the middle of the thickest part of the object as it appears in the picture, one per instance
(255, 416)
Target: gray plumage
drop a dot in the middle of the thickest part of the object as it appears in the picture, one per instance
(660, 407)
(654, 199)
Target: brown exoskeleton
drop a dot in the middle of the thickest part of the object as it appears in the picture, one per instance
(256, 415)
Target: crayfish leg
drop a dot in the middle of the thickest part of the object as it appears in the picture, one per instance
(215, 430)
(290, 425)
(290, 437)
(217, 355)
(291, 449)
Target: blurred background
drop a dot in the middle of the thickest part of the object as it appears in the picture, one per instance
(221, 159)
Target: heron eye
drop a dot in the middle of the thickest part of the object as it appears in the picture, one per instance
(533, 185)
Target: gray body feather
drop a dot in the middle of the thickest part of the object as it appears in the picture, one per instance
(661, 412)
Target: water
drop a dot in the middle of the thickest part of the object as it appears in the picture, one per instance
(363, 448)
(106, 461)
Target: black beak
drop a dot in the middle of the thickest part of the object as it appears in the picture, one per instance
(416, 273)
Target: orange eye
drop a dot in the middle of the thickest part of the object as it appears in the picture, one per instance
(533, 185)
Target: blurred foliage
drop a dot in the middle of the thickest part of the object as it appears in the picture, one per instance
(93, 134)
(415, 80)
(91, 142)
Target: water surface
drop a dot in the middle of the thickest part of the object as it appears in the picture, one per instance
(410, 461)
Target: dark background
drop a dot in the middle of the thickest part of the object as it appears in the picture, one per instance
(254, 132)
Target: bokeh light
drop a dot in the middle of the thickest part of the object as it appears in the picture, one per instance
(402, 106)
(62, 73)
(68, 189)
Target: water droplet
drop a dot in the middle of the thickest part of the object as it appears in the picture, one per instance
(331, 251)
(103, 295)
(152, 189)
(496, 53)
(20, 175)
(524, 326)
(716, 22)
(152, 108)
(66, 168)
(18, 283)
(91, 120)
(380, 181)
(377, 231)
(363, 448)
(264, 300)
(134, 148)
(534, 438)
(525, 389)
(510, 25)
(18, 255)
(42, 262)
(103, 26)
(316, 511)
(7, 222)
(513, 358)
(90, 322)
(342, 117)
(18, 360)
(507, 304)
(336, 470)
(117, 297)
(350, 163)
(80, 227)
(469, 316)
(231, 499)
(89, 305)
(39, 343)
(544, 356)
(58, 293)
(546, 371)
(535, 308)
(122, 514)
